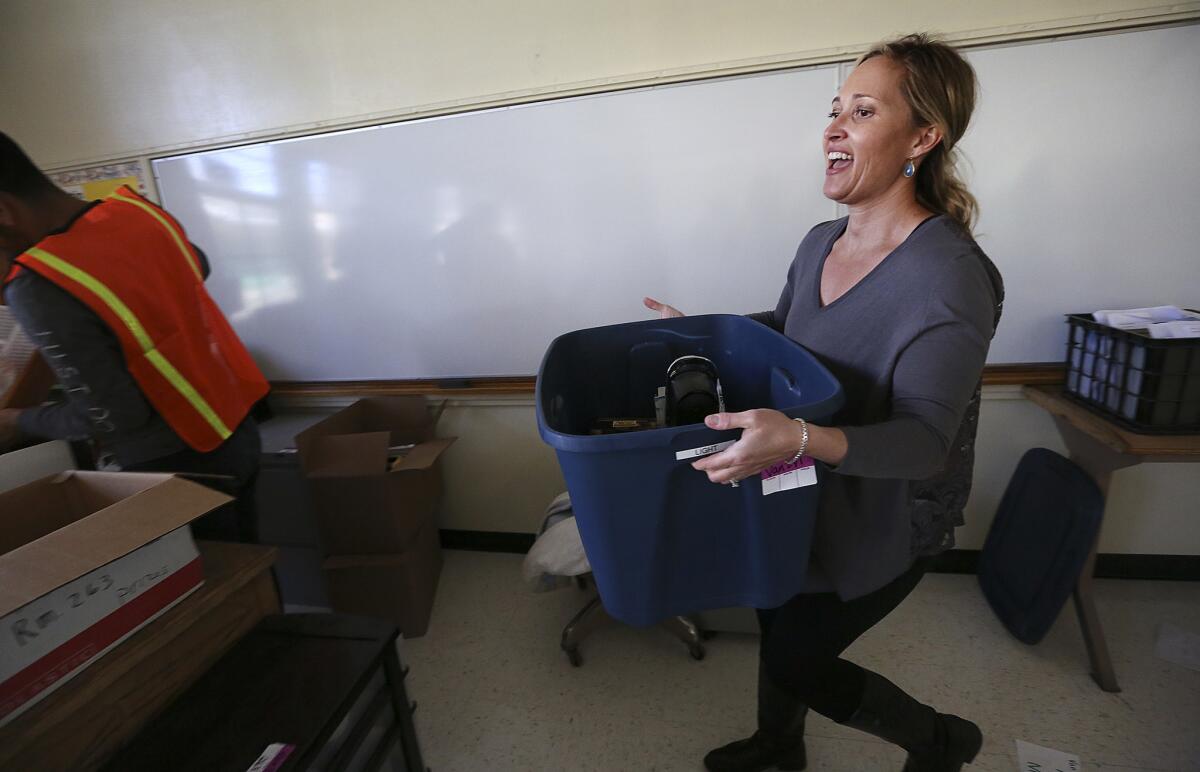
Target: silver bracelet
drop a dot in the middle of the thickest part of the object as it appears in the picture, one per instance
(803, 441)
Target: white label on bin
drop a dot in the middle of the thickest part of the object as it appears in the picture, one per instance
(788, 476)
(707, 450)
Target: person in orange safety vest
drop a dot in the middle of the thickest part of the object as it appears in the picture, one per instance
(112, 293)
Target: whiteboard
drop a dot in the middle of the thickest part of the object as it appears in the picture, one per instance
(1085, 157)
(460, 246)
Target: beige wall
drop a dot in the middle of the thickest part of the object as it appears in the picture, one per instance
(500, 475)
(92, 80)
(89, 80)
(1152, 509)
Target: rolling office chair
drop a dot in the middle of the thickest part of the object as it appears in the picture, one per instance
(593, 616)
(557, 558)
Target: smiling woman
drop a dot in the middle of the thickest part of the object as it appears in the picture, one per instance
(872, 134)
(901, 304)
(898, 116)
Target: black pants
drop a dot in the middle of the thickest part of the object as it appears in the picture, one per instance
(232, 468)
(803, 639)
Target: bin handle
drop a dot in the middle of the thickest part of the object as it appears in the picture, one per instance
(783, 383)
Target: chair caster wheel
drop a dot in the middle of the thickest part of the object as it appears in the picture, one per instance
(697, 651)
(573, 656)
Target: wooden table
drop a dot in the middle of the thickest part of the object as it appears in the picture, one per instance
(1101, 447)
(85, 721)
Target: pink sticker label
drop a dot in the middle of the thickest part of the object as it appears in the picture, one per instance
(786, 466)
(272, 758)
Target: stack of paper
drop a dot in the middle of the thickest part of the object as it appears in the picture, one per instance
(1158, 321)
(1182, 328)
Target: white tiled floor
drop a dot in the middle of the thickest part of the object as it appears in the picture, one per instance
(496, 693)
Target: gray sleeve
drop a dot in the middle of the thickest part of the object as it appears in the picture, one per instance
(776, 318)
(60, 421)
(934, 379)
(768, 318)
(84, 354)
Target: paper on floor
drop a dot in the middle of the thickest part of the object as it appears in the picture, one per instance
(1035, 758)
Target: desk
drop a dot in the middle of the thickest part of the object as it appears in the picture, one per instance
(86, 720)
(355, 716)
(1100, 447)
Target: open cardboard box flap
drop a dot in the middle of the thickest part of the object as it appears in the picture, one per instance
(422, 456)
(355, 440)
(59, 528)
(362, 505)
(408, 419)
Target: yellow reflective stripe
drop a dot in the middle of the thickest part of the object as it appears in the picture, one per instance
(187, 254)
(104, 293)
(130, 320)
(189, 392)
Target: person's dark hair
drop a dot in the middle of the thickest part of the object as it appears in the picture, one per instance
(940, 87)
(18, 175)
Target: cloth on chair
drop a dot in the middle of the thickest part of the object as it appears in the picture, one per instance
(558, 553)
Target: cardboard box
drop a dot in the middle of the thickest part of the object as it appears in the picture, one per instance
(366, 503)
(396, 587)
(86, 559)
(26, 465)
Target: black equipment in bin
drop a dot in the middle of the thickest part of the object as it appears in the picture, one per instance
(693, 391)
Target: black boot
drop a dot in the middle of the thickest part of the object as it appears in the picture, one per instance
(779, 741)
(936, 742)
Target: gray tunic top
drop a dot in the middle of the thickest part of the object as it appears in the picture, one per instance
(908, 343)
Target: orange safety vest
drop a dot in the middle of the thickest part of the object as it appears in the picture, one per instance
(131, 263)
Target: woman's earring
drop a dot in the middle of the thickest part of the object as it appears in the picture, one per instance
(909, 169)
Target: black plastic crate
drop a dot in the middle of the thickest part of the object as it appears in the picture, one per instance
(1148, 385)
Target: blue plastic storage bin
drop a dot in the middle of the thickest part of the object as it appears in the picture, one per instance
(661, 539)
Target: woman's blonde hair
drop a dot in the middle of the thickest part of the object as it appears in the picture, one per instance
(940, 87)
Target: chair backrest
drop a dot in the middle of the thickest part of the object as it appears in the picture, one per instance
(1039, 541)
